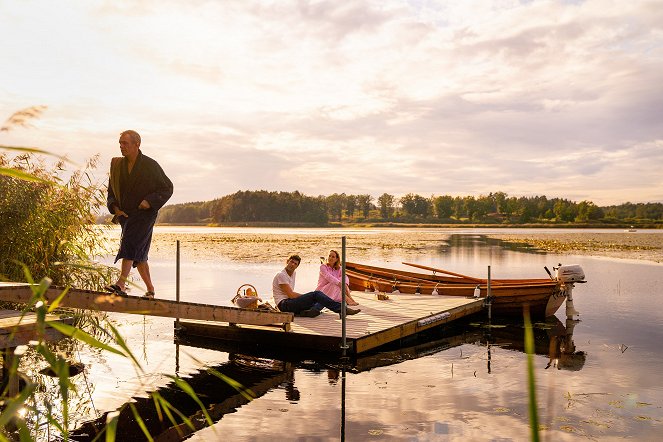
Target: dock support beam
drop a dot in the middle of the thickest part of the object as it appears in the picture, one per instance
(344, 344)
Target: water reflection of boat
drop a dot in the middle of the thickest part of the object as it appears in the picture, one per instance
(544, 296)
(552, 338)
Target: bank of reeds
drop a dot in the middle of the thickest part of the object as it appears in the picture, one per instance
(47, 222)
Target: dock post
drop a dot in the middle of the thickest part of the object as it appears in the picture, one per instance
(344, 344)
(177, 279)
(489, 297)
(177, 298)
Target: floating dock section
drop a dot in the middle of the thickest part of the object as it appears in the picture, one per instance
(380, 322)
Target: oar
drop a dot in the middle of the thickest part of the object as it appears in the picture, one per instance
(446, 272)
(397, 276)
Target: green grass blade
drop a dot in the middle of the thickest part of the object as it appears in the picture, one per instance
(111, 426)
(140, 422)
(19, 174)
(76, 333)
(122, 343)
(56, 301)
(185, 387)
(246, 392)
(531, 383)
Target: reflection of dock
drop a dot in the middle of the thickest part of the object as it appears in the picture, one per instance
(380, 322)
(551, 338)
(216, 395)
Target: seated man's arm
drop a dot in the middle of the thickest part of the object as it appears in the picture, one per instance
(288, 291)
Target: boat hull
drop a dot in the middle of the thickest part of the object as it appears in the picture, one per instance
(509, 297)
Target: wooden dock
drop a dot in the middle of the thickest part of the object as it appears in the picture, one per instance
(102, 301)
(380, 322)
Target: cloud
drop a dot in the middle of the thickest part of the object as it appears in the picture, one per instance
(435, 97)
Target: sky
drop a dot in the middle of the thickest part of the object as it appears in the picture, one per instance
(556, 98)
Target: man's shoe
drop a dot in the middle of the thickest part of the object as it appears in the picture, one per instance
(116, 290)
(310, 313)
(350, 311)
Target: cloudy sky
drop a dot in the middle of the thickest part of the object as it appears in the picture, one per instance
(556, 98)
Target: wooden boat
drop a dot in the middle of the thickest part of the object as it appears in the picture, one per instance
(544, 296)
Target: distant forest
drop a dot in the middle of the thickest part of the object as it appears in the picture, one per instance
(294, 208)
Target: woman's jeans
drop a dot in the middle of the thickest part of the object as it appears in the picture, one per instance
(309, 301)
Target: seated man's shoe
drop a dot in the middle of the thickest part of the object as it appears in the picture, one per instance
(310, 313)
(350, 311)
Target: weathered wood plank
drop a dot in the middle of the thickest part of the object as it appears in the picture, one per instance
(99, 301)
(16, 330)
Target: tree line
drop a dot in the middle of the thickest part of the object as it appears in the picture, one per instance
(262, 206)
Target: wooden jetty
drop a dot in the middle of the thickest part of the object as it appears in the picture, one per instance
(102, 301)
(380, 322)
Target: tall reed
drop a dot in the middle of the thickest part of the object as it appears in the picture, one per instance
(48, 222)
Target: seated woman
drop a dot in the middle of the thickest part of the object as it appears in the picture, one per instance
(329, 280)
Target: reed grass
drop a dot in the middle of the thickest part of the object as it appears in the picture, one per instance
(47, 222)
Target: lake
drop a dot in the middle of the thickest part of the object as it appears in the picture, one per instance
(465, 383)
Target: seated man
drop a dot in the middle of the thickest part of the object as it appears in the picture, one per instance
(307, 304)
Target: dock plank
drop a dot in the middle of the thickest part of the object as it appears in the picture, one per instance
(18, 328)
(101, 301)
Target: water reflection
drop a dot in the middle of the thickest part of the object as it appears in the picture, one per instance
(259, 374)
(596, 379)
(217, 394)
(482, 246)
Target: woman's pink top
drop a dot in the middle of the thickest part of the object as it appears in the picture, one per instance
(328, 282)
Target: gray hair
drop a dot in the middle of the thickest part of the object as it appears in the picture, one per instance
(133, 135)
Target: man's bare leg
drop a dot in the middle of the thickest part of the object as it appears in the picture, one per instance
(124, 273)
(144, 271)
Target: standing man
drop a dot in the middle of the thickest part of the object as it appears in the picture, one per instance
(137, 189)
(308, 304)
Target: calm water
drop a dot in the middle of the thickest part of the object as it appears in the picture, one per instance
(455, 387)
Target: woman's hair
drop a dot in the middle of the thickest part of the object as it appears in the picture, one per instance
(338, 259)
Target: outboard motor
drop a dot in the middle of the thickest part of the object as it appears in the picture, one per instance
(569, 275)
